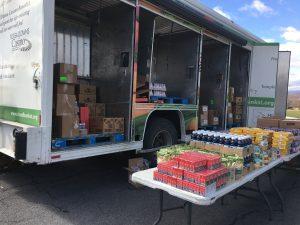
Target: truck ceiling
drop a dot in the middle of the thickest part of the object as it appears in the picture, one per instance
(203, 16)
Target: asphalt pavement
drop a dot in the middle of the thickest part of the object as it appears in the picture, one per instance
(96, 191)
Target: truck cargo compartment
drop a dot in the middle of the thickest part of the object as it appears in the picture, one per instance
(90, 38)
(214, 71)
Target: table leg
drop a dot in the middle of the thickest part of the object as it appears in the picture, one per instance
(161, 207)
(189, 213)
(222, 200)
(265, 199)
(280, 198)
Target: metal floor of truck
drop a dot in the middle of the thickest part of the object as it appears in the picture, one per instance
(96, 191)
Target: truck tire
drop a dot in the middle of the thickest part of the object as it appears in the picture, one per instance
(161, 132)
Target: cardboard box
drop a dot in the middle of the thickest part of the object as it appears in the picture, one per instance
(291, 124)
(65, 73)
(238, 109)
(96, 125)
(214, 121)
(96, 109)
(119, 125)
(67, 126)
(86, 89)
(204, 110)
(203, 120)
(213, 118)
(99, 109)
(92, 109)
(268, 122)
(136, 165)
(237, 118)
(239, 100)
(107, 125)
(84, 98)
(66, 105)
(68, 89)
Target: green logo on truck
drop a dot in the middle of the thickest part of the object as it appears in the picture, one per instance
(20, 115)
(261, 102)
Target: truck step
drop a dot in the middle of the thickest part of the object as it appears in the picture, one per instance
(170, 100)
(89, 140)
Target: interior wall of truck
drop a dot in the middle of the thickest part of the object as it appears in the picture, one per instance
(168, 55)
(238, 86)
(97, 37)
(214, 67)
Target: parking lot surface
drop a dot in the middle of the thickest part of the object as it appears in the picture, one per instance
(96, 191)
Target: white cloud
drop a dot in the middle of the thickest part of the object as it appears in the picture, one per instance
(269, 40)
(294, 47)
(256, 8)
(291, 34)
(292, 38)
(219, 10)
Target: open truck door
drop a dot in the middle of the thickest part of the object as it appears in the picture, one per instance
(21, 80)
(282, 86)
(263, 79)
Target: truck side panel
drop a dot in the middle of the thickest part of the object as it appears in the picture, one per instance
(263, 78)
(21, 74)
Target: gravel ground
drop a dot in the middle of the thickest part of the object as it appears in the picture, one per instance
(96, 191)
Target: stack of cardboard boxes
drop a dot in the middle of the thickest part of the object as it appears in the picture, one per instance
(66, 122)
(93, 114)
(76, 110)
(208, 117)
(235, 107)
(277, 122)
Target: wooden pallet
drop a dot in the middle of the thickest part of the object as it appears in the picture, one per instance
(89, 140)
(170, 100)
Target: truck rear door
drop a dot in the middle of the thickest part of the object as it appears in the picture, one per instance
(282, 83)
(21, 55)
(263, 78)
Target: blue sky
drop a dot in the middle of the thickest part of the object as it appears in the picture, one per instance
(272, 20)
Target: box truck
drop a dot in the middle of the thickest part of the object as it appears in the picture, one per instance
(164, 67)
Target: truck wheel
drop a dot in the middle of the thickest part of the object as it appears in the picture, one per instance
(161, 132)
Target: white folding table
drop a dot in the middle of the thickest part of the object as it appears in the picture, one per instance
(145, 178)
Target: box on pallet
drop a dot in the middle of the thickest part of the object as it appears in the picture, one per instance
(204, 110)
(65, 73)
(119, 125)
(239, 100)
(237, 118)
(96, 125)
(238, 109)
(68, 89)
(67, 126)
(66, 105)
(213, 118)
(107, 125)
(203, 120)
(87, 98)
(96, 109)
(86, 89)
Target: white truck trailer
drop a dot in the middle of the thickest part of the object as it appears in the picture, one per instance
(195, 51)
